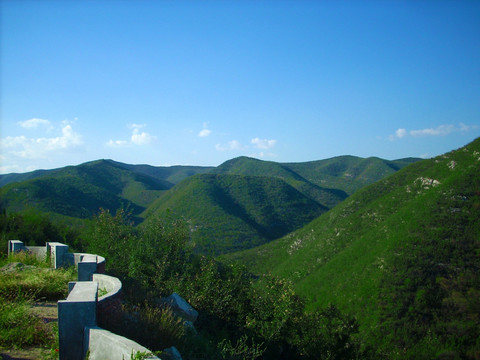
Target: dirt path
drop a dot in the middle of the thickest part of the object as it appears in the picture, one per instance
(48, 312)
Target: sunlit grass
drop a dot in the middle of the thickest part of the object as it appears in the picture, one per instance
(29, 282)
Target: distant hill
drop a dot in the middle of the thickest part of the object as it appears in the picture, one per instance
(169, 174)
(232, 212)
(79, 191)
(246, 202)
(327, 197)
(401, 254)
(172, 174)
(348, 173)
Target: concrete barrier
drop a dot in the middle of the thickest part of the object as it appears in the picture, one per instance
(103, 344)
(74, 314)
(109, 305)
(79, 314)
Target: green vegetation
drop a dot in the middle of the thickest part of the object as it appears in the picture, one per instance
(390, 272)
(333, 178)
(36, 228)
(232, 212)
(23, 280)
(240, 209)
(237, 318)
(79, 191)
(402, 255)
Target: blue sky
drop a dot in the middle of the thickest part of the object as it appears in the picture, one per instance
(198, 83)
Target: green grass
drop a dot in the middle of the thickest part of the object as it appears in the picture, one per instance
(18, 290)
(401, 253)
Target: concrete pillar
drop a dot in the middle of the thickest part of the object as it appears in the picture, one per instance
(87, 267)
(74, 314)
(15, 246)
(57, 252)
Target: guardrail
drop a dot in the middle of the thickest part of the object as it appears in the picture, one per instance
(78, 315)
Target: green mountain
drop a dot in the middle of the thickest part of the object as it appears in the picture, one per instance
(347, 173)
(248, 203)
(232, 212)
(79, 191)
(327, 182)
(170, 175)
(401, 254)
(253, 167)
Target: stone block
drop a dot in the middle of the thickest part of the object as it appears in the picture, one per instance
(105, 345)
(74, 313)
(181, 307)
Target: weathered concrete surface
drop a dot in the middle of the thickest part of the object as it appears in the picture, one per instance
(105, 345)
(74, 313)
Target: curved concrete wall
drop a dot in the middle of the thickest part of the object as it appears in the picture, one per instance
(79, 314)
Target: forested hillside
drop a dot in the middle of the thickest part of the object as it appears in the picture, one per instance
(401, 254)
(233, 212)
(80, 191)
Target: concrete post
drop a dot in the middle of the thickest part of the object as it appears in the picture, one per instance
(74, 314)
(15, 246)
(57, 253)
(87, 267)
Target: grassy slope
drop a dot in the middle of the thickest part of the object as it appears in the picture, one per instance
(231, 212)
(343, 256)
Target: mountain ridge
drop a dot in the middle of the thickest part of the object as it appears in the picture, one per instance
(399, 253)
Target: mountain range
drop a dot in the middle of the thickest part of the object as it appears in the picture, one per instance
(393, 243)
(240, 204)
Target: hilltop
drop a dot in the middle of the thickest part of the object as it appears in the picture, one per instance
(400, 254)
(242, 203)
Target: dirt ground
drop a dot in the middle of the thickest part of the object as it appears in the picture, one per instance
(48, 312)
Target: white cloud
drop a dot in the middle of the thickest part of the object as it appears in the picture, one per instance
(400, 133)
(34, 123)
(263, 143)
(36, 148)
(231, 145)
(143, 138)
(441, 130)
(205, 131)
(137, 138)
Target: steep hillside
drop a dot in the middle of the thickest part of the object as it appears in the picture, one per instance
(232, 212)
(401, 254)
(79, 191)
